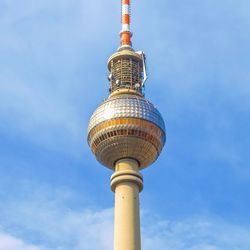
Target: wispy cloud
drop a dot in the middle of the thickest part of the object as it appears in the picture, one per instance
(202, 233)
(43, 219)
(51, 224)
(8, 242)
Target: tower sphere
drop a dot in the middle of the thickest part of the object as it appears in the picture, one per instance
(126, 125)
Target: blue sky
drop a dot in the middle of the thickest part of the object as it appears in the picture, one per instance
(55, 196)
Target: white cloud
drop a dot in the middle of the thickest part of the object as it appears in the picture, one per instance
(46, 219)
(194, 234)
(8, 242)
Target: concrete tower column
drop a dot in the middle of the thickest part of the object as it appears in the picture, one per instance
(127, 182)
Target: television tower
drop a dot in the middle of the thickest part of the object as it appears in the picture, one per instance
(126, 134)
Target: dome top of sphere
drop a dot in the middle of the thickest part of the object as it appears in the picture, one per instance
(126, 106)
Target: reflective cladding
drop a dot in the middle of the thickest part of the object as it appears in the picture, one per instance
(125, 106)
(113, 149)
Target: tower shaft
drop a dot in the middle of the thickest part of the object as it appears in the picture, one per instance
(126, 134)
(127, 182)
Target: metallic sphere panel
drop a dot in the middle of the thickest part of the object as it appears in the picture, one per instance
(126, 106)
(116, 148)
(126, 126)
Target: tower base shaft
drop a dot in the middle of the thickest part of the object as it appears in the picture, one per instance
(126, 182)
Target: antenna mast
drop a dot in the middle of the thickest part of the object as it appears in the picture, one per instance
(125, 32)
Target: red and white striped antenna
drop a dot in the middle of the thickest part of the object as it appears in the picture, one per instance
(125, 32)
